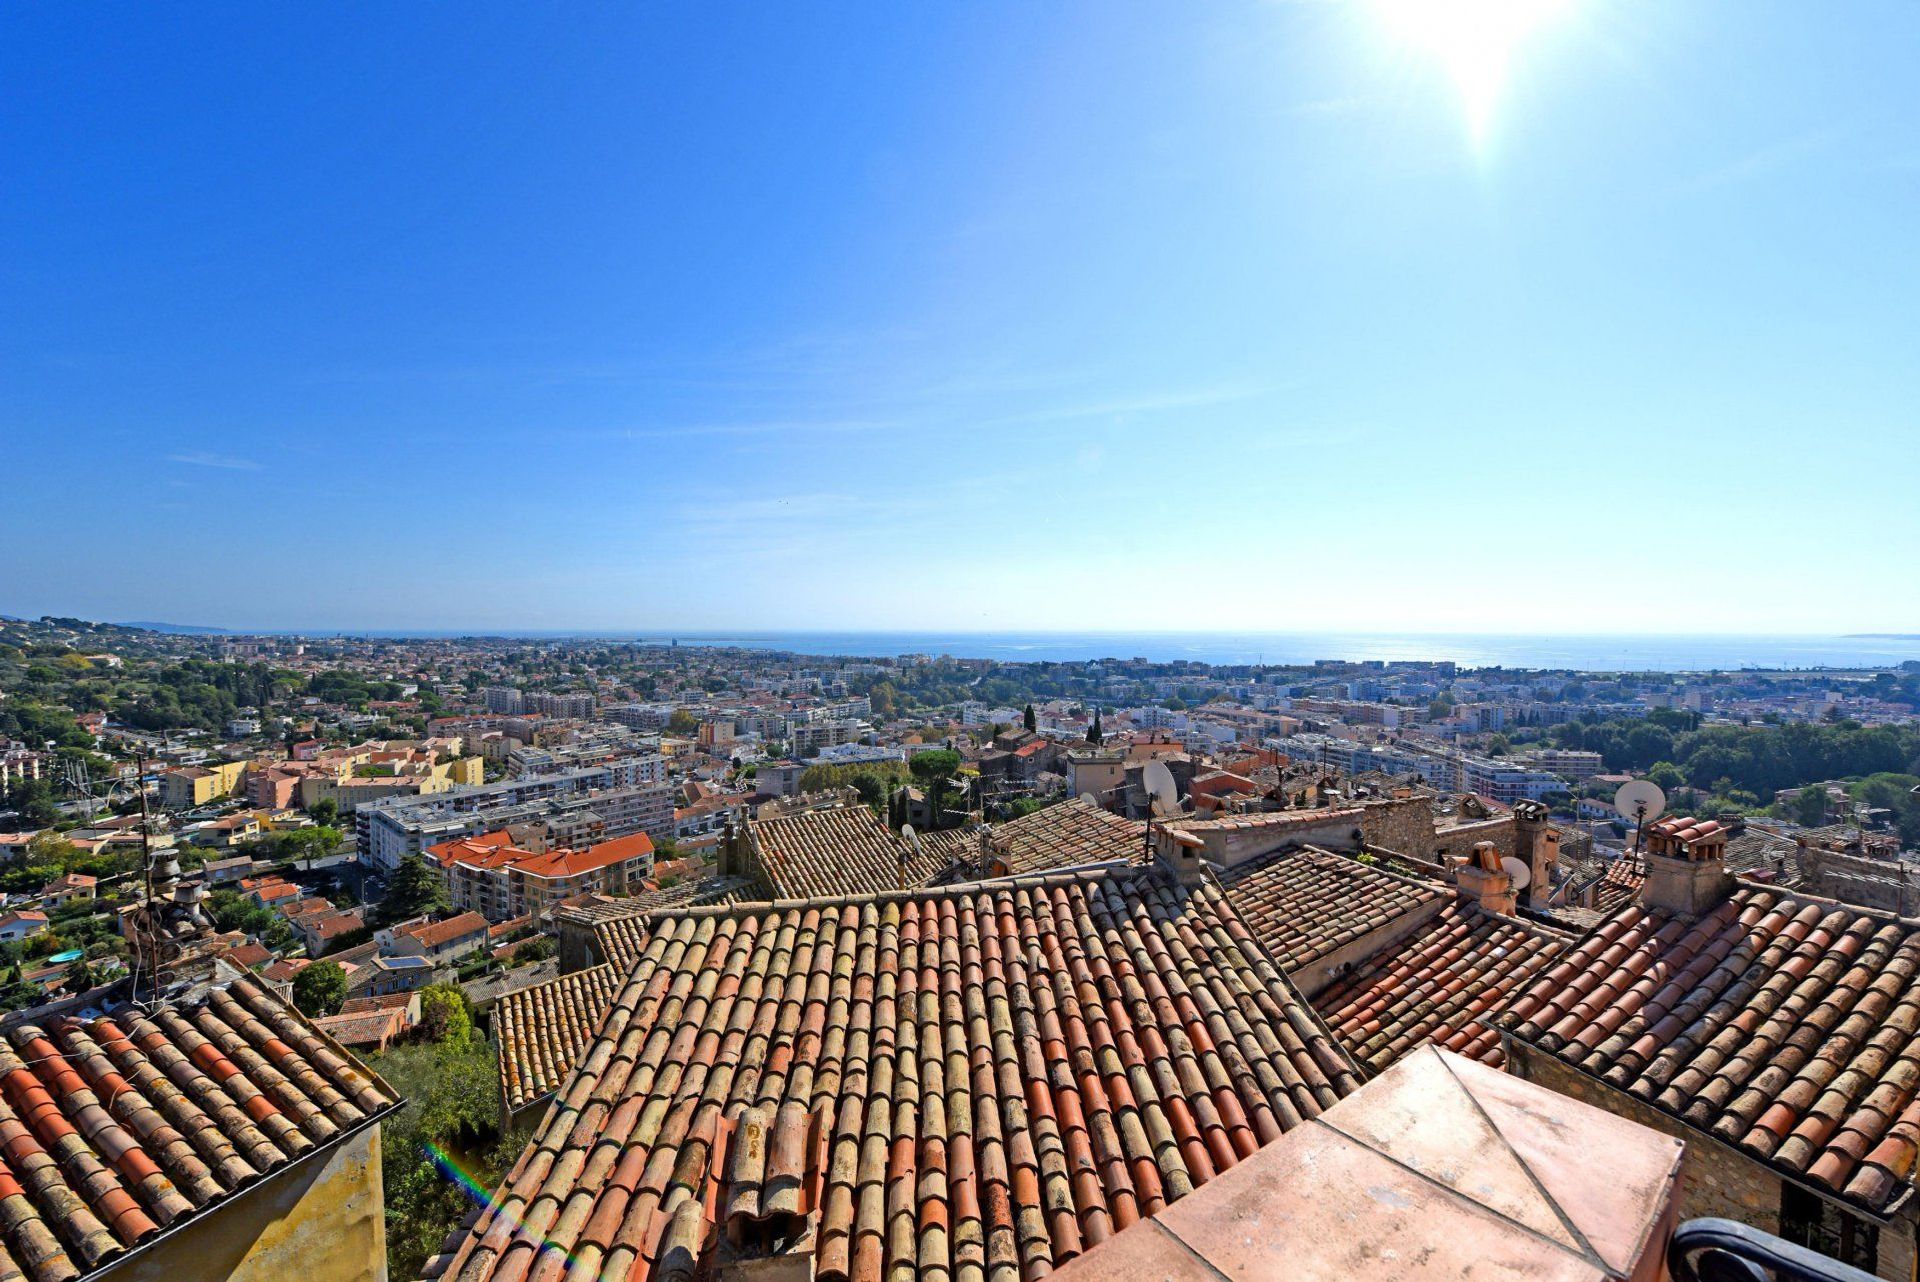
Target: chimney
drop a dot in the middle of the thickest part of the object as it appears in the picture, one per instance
(1481, 879)
(1686, 866)
(1181, 851)
(1537, 843)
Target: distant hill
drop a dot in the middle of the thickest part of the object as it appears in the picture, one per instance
(179, 629)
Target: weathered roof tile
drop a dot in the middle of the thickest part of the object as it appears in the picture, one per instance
(999, 1075)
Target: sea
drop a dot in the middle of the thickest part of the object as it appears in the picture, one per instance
(1590, 653)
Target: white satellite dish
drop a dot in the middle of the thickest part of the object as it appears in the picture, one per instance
(1158, 781)
(1517, 872)
(912, 838)
(1640, 800)
(1089, 799)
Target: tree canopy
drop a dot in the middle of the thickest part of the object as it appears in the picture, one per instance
(320, 989)
(414, 891)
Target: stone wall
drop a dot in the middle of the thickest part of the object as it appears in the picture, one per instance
(1866, 883)
(1239, 838)
(1454, 842)
(1403, 825)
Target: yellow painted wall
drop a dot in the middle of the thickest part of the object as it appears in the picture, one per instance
(322, 1221)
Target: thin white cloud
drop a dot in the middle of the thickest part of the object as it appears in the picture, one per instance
(225, 462)
(1345, 106)
(1762, 161)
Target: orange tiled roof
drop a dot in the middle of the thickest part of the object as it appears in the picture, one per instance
(1064, 836)
(116, 1127)
(564, 862)
(434, 934)
(834, 852)
(542, 1030)
(620, 926)
(1784, 1026)
(1438, 986)
(1303, 904)
(1056, 1058)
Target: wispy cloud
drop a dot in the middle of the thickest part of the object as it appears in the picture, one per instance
(1762, 161)
(781, 427)
(225, 462)
(1343, 106)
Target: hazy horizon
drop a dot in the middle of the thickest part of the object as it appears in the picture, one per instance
(1377, 315)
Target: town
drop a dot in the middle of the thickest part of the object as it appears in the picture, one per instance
(460, 859)
(1260, 641)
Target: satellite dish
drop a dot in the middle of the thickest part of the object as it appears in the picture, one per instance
(912, 837)
(1158, 781)
(1640, 793)
(1089, 799)
(1517, 872)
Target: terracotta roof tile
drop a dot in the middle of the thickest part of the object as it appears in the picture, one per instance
(844, 851)
(619, 925)
(983, 1080)
(117, 1126)
(1785, 1026)
(1438, 986)
(1305, 903)
(1070, 834)
(541, 1030)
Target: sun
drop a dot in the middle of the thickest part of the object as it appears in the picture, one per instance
(1474, 40)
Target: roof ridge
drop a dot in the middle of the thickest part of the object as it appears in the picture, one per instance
(956, 890)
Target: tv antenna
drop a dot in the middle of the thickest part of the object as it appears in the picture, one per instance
(1163, 796)
(1639, 801)
(910, 840)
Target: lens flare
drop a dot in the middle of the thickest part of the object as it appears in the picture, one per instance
(1476, 42)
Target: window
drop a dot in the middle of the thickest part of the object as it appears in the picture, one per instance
(1819, 1225)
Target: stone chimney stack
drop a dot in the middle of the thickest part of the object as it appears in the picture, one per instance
(1537, 843)
(1686, 866)
(1481, 879)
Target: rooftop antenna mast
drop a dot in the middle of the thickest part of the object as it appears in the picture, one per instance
(1639, 801)
(1163, 797)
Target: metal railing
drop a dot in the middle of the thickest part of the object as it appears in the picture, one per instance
(1710, 1250)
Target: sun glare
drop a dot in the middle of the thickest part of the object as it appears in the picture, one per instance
(1474, 40)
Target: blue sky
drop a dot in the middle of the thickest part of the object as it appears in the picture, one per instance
(1245, 316)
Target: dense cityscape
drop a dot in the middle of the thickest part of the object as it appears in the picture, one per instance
(1260, 641)
(432, 847)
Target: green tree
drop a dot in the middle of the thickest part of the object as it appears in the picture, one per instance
(684, 721)
(1668, 776)
(934, 771)
(320, 989)
(446, 1016)
(1094, 733)
(325, 811)
(1030, 720)
(81, 976)
(415, 891)
(1810, 807)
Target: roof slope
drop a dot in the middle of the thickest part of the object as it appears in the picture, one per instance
(541, 1030)
(1001, 1074)
(1303, 904)
(845, 851)
(1785, 1026)
(116, 1127)
(620, 925)
(1438, 986)
(1070, 834)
